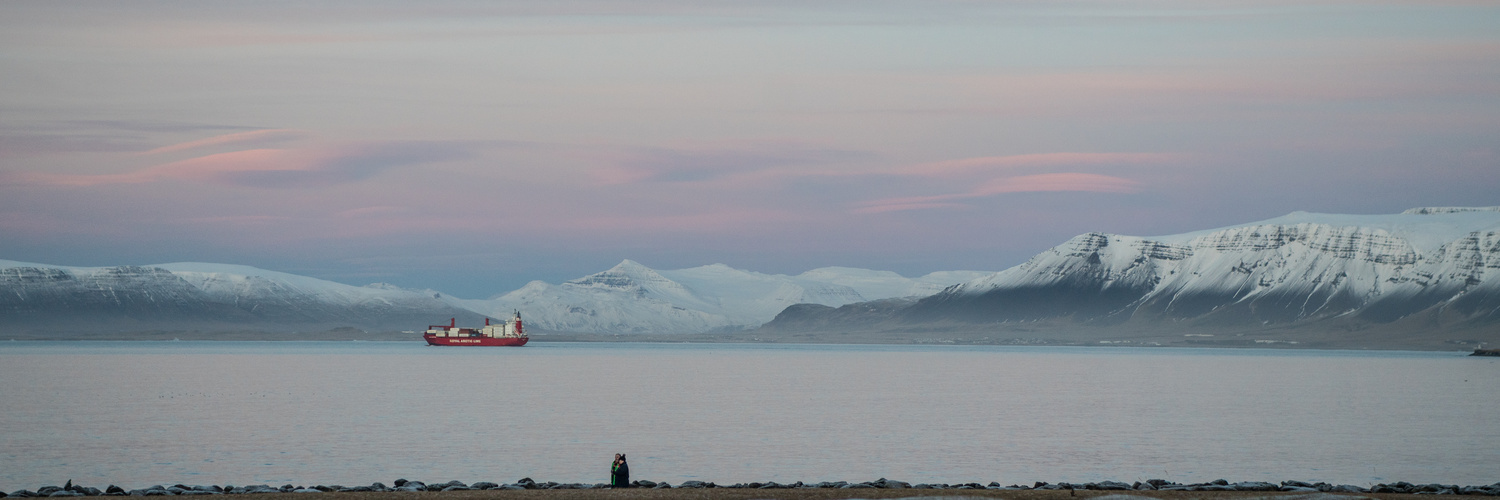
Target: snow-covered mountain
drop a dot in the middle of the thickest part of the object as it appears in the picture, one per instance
(629, 298)
(202, 296)
(632, 298)
(1429, 268)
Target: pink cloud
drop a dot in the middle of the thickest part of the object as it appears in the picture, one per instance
(203, 168)
(717, 221)
(253, 137)
(979, 164)
(238, 219)
(267, 168)
(1059, 182)
(717, 162)
(374, 211)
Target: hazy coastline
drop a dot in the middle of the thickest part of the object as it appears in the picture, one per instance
(1060, 338)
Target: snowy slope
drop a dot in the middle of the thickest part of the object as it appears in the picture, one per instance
(632, 298)
(194, 295)
(249, 283)
(1303, 266)
(628, 298)
(874, 285)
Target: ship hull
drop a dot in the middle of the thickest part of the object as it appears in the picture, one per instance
(476, 341)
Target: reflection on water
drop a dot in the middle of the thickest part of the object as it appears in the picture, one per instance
(142, 413)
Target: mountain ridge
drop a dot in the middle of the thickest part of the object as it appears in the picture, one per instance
(1432, 271)
(1425, 278)
(628, 298)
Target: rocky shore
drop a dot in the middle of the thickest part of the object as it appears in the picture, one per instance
(1072, 489)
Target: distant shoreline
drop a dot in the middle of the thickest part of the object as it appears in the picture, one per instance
(344, 335)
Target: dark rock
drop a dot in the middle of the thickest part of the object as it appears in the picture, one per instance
(1255, 486)
(1110, 485)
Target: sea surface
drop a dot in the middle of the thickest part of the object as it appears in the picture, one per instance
(352, 413)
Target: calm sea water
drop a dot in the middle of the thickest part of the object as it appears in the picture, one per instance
(143, 413)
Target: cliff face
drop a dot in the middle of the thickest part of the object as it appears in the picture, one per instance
(1432, 268)
(1262, 273)
(139, 293)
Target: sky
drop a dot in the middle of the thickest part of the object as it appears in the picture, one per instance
(471, 147)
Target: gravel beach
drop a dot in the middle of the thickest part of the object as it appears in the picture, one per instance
(821, 494)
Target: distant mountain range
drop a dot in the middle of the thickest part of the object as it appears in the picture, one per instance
(1425, 278)
(42, 299)
(631, 298)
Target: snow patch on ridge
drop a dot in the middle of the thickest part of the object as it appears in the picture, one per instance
(633, 298)
(1294, 267)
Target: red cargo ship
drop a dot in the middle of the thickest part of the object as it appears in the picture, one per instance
(507, 333)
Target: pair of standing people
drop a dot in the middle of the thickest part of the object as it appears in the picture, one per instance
(619, 472)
